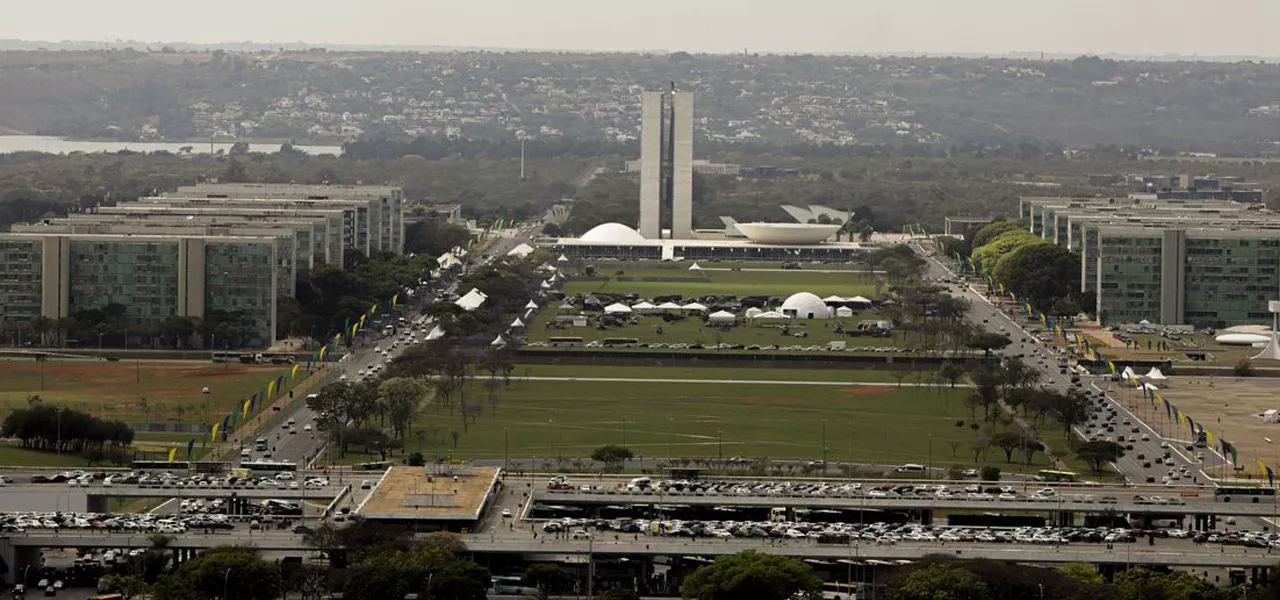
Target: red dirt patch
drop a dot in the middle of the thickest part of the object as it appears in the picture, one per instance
(865, 390)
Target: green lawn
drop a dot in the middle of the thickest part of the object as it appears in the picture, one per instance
(865, 424)
(704, 373)
(692, 330)
(737, 283)
(13, 455)
(133, 392)
(683, 265)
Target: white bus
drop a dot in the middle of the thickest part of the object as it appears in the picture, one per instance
(1244, 493)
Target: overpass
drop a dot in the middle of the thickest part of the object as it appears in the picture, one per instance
(1062, 504)
(19, 550)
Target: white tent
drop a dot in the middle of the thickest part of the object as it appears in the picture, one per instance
(517, 323)
(668, 306)
(544, 285)
(498, 341)
(435, 333)
(1155, 375)
(522, 250)
(770, 315)
(447, 260)
(1148, 387)
(546, 267)
(473, 300)
(562, 258)
(531, 305)
(1127, 373)
(722, 316)
(694, 306)
(642, 306)
(834, 300)
(844, 311)
(695, 267)
(752, 312)
(567, 306)
(617, 309)
(858, 300)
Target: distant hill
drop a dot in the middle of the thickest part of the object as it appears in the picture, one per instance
(285, 91)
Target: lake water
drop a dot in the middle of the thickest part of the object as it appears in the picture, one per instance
(53, 145)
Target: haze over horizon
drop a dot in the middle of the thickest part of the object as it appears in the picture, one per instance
(1124, 27)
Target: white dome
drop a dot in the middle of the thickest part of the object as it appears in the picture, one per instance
(802, 234)
(805, 306)
(612, 233)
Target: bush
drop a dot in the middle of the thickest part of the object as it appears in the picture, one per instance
(1244, 368)
(990, 474)
(416, 460)
(955, 473)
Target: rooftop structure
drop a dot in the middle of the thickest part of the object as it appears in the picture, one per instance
(446, 496)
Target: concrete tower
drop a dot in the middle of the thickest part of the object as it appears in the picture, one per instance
(666, 163)
(651, 127)
(682, 165)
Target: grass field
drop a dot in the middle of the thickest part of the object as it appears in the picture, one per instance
(691, 331)
(737, 283)
(13, 455)
(867, 424)
(683, 265)
(703, 373)
(172, 391)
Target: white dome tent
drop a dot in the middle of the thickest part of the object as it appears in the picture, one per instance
(617, 309)
(752, 312)
(722, 317)
(806, 306)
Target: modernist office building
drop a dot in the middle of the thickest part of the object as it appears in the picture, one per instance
(385, 205)
(666, 163)
(219, 256)
(1170, 260)
(154, 277)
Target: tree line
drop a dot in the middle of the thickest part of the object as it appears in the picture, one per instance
(48, 428)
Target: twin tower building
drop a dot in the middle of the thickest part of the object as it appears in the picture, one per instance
(666, 164)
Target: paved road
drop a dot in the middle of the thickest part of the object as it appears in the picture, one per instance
(733, 381)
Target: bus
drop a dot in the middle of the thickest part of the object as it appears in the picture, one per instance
(269, 467)
(620, 342)
(1244, 493)
(845, 591)
(510, 585)
(1052, 475)
(557, 342)
(226, 357)
(161, 465)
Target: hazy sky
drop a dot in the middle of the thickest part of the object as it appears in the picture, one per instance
(1139, 27)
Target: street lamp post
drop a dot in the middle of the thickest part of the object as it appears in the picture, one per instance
(100, 345)
(824, 446)
(720, 444)
(57, 411)
(226, 577)
(506, 449)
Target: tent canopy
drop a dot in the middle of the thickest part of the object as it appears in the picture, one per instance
(617, 309)
(531, 305)
(695, 267)
(669, 306)
(642, 305)
(517, 323)
(722, 316)
(1155, 373)
(858, 300)
(844, 311)
(771, 315)
(473, 300)
(694, 306)
(498, 341)
(562, 258)
(834, 300)
(522, 250)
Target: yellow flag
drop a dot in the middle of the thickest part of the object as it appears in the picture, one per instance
(294, 371)
(322, 351)
(213, 434)
(172, 453)
(247, 404)
(271, 388)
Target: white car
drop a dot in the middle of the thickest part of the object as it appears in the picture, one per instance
(506, 513)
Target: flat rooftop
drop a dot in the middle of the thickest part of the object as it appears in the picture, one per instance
(431, 493)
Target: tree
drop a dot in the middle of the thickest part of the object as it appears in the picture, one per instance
(612, 455)
(753, 576)
(1082, 572)
(618, 594)
(991, 230)
(937, 581)
(1244, 368)
(401, 397)
(1008, 441)
(225, 572)
(128, 586)
(1098, 453)
(547, 577)
(1136, 584)
(952, 372)
(1045, 274)
(990, 474)
(988, 342)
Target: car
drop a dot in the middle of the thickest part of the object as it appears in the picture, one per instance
(580, 534)
(366, 484)
(506, 513)
(306, 427)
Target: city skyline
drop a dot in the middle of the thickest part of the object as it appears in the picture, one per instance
(1133, 28)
